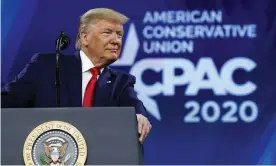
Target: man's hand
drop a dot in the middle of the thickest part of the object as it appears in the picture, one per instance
(144, 127)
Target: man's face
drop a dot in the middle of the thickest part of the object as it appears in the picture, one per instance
(103, 41)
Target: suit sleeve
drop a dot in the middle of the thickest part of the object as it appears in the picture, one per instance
(129, 97)
(20, 92)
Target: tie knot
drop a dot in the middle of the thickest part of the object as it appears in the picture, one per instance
(95, 71)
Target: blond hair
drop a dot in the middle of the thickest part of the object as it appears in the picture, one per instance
(91, 16)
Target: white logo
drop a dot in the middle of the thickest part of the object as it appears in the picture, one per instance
(178, 41)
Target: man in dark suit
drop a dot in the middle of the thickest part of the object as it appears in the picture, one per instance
(86, 80)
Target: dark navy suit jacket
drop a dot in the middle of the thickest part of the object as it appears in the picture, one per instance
(35, 85)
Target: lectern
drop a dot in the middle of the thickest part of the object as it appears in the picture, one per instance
(70, 136)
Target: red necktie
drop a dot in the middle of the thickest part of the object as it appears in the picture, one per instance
(90, 88)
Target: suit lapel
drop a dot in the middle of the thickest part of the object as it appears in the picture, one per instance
(104, 87)
(74, 80)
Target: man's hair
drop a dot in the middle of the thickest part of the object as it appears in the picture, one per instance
(91, 16)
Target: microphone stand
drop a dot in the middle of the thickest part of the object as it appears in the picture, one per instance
(57, 83)
(61, 44)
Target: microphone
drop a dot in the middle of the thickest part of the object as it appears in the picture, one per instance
(61, 43)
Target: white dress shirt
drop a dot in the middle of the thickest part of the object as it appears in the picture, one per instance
(86, 74)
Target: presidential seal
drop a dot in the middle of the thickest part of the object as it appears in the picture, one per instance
(55, 143)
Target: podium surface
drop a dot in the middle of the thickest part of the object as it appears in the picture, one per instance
(110, 133)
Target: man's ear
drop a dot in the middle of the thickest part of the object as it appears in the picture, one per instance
(84, 38)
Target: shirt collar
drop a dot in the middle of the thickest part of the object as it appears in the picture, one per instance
(86, 62)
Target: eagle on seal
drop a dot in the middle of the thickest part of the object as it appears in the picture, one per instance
(55, 154)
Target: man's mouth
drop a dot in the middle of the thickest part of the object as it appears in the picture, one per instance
(113, 50)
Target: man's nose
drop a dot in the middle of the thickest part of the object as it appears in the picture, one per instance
(115, 39)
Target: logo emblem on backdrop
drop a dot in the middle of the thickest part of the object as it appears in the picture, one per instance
(55, 143)
(166, 41)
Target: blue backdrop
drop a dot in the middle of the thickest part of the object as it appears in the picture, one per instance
(205, 70)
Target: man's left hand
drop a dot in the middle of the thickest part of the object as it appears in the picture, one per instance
(144, 127)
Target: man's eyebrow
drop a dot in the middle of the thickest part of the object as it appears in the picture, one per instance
(120, 31)
(109, 29)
